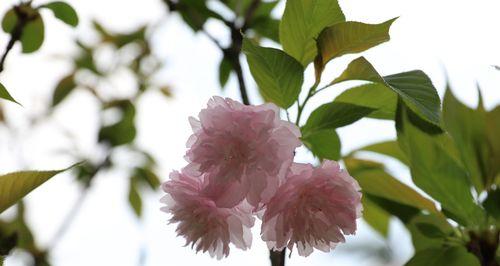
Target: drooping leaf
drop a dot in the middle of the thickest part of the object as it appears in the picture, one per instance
(324, 144)
(449, 256)
(278, 75)
(402, 211)
(334, 115)
(65, 86)
(376, 217)
(33, 35)
(418, 93)
(389, 148)
(147, 176)
(376, 181)
(435, 171)
(414, 87)
(64, 12)
(302, 21)
(15, 186)
(348, 38)
(372, 95)
(195, 13)
(492, 132)
(4, 94)
(134, 198)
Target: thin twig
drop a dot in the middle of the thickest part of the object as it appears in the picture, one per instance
(15, 35)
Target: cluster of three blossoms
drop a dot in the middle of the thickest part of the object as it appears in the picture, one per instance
(240, 165)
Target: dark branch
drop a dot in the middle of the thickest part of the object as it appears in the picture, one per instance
(277, 257)
(15, 35)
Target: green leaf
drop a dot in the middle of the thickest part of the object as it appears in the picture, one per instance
(4, 94)
(491, 204)
(435, 171)
(195, 13)
(302, 21)
(123, 131)
(15, 186)
(268, 28)
(9, 21)
(225, 69)
(134, 198)
(376, 217)
(65, 86)
(418, 93)
(348, 38)
(468, 128)
(492, 133)
(402, 211)
(372, 95)
(414, 87)
(420, 236)
(64, 12)
(389, 148)
(376, 181)
(147, 176)
(449, 256)
(430, 230)
(359, 69)
(33, 35)
(324, 144)
(278, 75)
(334, 115)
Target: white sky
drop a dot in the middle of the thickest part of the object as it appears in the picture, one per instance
(459, 36)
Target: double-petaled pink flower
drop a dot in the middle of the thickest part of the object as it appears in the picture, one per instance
(244, 150)
(201, 222)
(313, 209)
(240, 161)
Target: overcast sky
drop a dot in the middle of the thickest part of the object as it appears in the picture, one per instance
(459, 36)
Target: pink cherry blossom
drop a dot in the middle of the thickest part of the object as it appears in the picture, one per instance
(244, 150)
(313, 209)
(201, 222)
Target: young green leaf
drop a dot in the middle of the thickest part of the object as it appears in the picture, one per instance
(435, 171)
(15, 186)
(324, 144)
(348, 38)
(4, 94)
(449, 256)
(302, 21)
(334, 115)
(372, 95)
(468, 128)
(64, 12)
(65, 86)
(33, 35)
(278, 75)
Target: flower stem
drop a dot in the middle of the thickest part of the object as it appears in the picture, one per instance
(277, 257)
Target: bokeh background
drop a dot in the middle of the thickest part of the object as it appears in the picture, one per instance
(453, 38)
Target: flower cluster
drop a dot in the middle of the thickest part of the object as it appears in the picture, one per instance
(240, 162)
